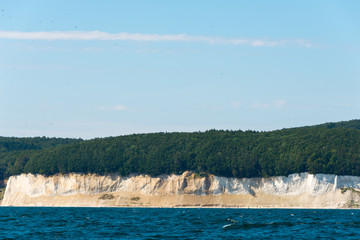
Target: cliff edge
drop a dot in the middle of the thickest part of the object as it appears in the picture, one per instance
(187, 190)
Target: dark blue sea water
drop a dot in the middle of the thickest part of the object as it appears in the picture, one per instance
(179, 223)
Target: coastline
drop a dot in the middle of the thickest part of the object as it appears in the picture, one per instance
(297, 191)
(188, 207)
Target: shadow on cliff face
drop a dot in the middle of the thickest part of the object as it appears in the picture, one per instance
(2, 188)
(207, 184)
(252, 192)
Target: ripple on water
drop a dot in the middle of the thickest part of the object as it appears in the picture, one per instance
(158, 223)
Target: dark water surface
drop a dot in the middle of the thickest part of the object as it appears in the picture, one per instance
(184, 223)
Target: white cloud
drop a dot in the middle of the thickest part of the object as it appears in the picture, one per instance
(112, 108)
(260, 105)
(104, 36)
(279, 103)
(235, 104)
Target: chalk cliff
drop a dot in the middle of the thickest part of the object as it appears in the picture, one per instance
(187, 190)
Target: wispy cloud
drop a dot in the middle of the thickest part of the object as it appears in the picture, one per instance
(278, 103)
(211, 107)
(235, 104)
(112, 108)
(104, 36)
(260, 105)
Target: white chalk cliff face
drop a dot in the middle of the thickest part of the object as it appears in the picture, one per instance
(186, 190)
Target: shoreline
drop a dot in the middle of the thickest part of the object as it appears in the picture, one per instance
(189, 207)
(297, 191)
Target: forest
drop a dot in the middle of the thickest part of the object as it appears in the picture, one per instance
(330, 148)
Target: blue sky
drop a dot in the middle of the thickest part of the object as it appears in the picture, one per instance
(106, 68)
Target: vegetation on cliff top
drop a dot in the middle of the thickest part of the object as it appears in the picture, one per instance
(15, 152)
(332, 148)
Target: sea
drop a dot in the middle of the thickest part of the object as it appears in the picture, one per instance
(177, 223)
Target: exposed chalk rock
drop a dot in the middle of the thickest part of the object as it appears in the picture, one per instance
(34, 190)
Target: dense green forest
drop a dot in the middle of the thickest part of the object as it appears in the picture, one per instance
(15, 152)
(332, 148)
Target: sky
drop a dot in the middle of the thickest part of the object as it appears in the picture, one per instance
(87, 69)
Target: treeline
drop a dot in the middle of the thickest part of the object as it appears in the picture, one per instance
(9, 144)
(332, 148)
(15, 152)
